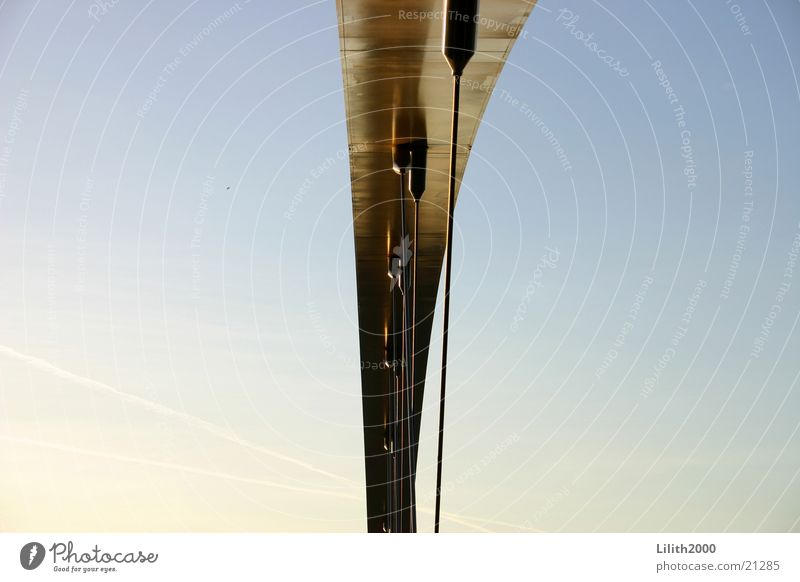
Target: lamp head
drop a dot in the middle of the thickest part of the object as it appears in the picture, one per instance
(419, 163)
(401, 158)
(460, 32)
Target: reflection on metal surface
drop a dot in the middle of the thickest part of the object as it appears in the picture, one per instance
(398, 90)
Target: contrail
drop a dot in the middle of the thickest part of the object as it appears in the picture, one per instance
(199, 423)
(467, 518)
(468, 521)
(175, 466)
(458, 519)
(473, 521)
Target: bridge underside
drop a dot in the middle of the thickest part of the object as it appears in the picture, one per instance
(398, 90)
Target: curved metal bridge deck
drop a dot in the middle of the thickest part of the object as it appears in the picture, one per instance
(397, 89)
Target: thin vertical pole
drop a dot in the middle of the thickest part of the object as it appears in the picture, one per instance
(414, 347)
(405, 455)
(403, 379)
(451, 195)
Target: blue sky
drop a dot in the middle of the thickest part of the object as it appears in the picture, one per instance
(179, 336)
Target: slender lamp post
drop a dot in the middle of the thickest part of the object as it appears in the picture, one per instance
(458, 46)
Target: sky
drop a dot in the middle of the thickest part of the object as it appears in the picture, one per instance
(178, 318)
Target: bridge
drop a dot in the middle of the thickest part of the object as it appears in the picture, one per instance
(398, 97)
